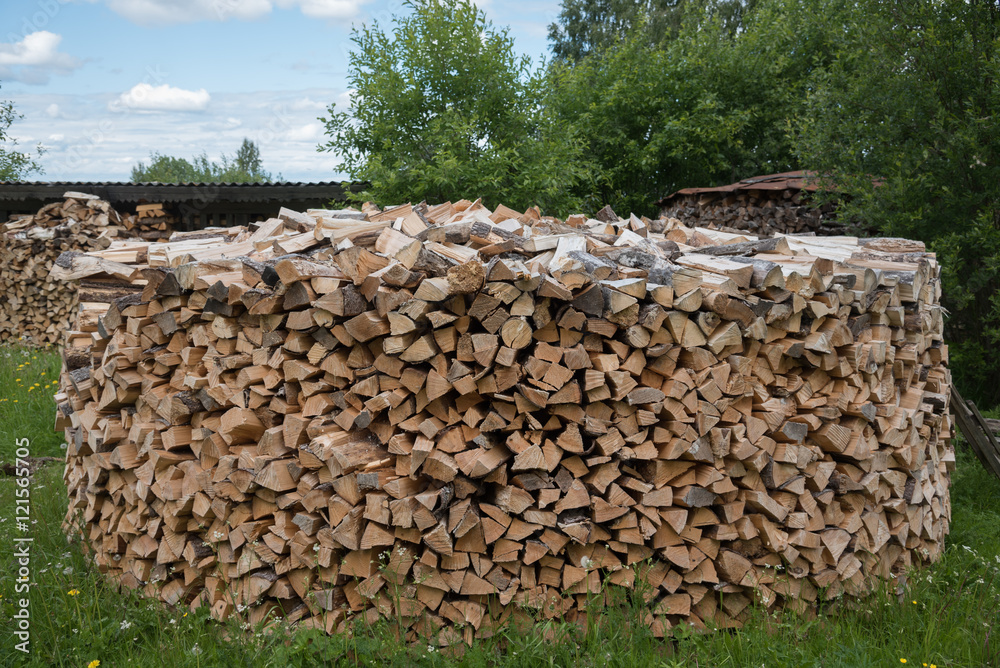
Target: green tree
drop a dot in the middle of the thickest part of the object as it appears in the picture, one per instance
(914, 98)
(244, 166)
(443, 108)
(707, 107)
(247, 161)
(647, 122)
(167, 169)
(14, 163)
(589, 26)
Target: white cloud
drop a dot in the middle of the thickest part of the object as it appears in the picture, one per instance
(35, 58)
(325, 9)
(307, 103)
(310, 132)
(219, 123)
(52, 111)
(100, 145)
(146, 97)
(57, 137)
(160, 12)
(344, 99)
(38, 48)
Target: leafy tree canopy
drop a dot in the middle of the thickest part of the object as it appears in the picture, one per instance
(443, 108)
(589, 26)
(244, 166)
(14, 163)
(707, 107)
(913, 98)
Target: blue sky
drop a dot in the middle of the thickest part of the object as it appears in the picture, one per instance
(101, 83)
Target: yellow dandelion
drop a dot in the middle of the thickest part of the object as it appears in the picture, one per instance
(93, 664)
(914, 603)
(18, 379)
(902, 660)
(73, 592)
(185, 614)
(15, 401)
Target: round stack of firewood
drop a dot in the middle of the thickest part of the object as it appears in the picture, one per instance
(36, 309)
(452, 417)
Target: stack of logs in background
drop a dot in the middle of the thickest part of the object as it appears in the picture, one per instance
(35, 308)
(758, 212)
(450, 416)
(151, 222)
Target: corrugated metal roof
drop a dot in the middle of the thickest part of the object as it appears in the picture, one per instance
(263, 184)
(800, 180)
(124, 191)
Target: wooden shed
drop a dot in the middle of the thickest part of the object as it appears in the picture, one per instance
(195, 205)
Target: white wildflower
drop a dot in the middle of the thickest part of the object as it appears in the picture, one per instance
(126, 624)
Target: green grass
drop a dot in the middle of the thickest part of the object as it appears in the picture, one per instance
(952, 623)
(28, 379)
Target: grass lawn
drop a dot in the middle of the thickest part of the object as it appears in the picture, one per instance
(28, 379)
(946, 615)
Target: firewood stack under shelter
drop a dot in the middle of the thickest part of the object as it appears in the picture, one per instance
(762, 205)
(151, 222)
(454, 417)
(35, 308)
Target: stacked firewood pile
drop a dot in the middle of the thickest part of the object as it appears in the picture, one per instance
(759, 212)
(151, 222)
(34, 307)
(449, 416)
